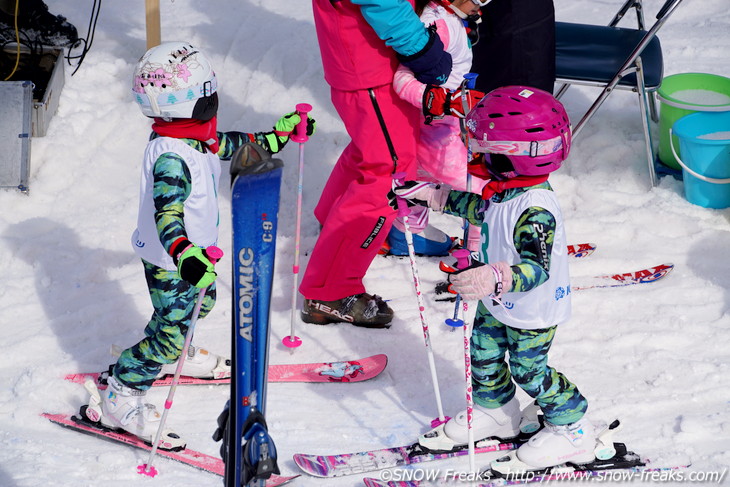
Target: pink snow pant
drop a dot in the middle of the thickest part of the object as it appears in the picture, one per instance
(441, 156)
(353, 208)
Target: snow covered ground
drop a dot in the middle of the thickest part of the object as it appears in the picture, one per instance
(655, 356)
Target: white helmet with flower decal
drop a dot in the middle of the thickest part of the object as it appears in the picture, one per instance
(175, 80)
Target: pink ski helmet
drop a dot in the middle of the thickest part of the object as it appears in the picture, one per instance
(527, 125)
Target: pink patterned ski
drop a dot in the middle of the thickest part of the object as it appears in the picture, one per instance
(347, 371)
(399, 456)
(187, 456)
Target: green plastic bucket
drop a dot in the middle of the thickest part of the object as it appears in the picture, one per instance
(682, 94)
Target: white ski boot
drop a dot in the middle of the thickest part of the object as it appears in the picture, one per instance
(553, 445)
(121, 407)
(503, 423)
(200, 363)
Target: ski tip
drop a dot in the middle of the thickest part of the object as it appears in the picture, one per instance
(380, 361)
(650, 274)
(311, 464)
(52, 417)
(380, 358)
(275, 480)
(376, 363)
(581, 250)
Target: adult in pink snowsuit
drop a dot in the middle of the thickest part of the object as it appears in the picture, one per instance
(362, 43)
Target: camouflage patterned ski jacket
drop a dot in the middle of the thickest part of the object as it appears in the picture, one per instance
(534, 267)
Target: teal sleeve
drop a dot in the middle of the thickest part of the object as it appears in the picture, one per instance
(171, 187)
(534, 236)
(229, 142)
(470, 206)
(395, 22)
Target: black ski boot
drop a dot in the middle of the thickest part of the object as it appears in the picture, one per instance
(365, 310)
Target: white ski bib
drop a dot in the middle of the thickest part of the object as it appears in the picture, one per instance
(549, 303)
(201, 207)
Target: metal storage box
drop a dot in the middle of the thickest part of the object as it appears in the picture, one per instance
(47, 91)
(15, 126)
(27, 103)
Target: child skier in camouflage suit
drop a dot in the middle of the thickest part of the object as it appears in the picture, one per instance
(524, 289)
(178, 218)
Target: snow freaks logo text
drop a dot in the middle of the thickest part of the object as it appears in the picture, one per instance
(245, 293)
(649, 474)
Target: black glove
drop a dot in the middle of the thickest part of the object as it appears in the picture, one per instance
(193, 264)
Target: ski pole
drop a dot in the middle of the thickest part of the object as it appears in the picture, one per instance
(403, 211)
(214, 254)
(468, 324)
(468, 83)
(468, 327)
(300, 136)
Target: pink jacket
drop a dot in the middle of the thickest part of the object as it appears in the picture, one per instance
(353, 56)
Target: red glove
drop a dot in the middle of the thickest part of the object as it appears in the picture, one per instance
(439, 102)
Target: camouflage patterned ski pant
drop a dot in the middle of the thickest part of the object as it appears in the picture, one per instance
(173, 300)
(494, 381)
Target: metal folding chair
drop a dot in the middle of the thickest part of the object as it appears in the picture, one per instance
(612, 58)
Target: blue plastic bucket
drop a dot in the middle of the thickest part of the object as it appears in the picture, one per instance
(704, 141)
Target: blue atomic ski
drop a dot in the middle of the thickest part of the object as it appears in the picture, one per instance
(248, 449)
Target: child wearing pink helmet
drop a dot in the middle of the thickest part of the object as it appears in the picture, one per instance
(519, 278)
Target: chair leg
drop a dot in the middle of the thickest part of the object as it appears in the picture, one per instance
(653, 107)
(645, 117)
(561, 91)
(636, 4)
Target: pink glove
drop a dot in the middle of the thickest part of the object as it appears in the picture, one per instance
(482, 281)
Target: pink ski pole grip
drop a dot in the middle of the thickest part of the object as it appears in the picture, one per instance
(462, 258)
(213, 253)
(300, 131)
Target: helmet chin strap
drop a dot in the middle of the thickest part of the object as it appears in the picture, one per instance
(450, 5)
(152, 94)
(564, 138)
(458, 12)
